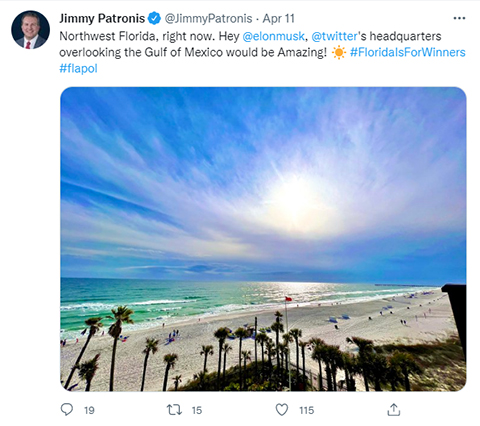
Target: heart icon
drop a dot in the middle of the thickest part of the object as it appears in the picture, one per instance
(282, 409)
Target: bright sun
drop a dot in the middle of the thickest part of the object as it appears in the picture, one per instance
(294, 202)
(298, 205)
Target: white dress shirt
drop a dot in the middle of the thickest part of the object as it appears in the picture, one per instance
(32, 42)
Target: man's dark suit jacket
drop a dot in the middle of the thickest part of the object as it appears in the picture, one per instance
(40, 42)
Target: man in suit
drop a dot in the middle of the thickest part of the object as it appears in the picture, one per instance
(30, 28)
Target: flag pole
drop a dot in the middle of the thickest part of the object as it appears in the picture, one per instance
(286, 314)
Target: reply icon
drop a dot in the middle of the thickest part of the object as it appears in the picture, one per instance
(66, 408)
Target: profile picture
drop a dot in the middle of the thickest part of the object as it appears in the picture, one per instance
(30, 30)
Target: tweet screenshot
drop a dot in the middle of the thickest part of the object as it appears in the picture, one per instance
(240, 212)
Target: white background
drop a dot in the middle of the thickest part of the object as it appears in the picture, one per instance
(31, 87)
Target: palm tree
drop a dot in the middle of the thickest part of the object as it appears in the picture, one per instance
(170, 360)
(120, 315)
(318, 355)
(318, 346)
(350, 367)
(327, 359)
(270, 347)
(177, 380)
(206, 350)
(296, 334)
(95, 325)
(262, 339)
(151, 345)
(277, 327)
(200, 376)
(407, 365)
(365, 350)
(226, 349)
(316, 341)
(256, 366)
(303, 345)
(378, 370)
(394, 373)
(336, 362)
(87, 371)
(246, 355)
(241, 333)
(287, 339)
(221, 334)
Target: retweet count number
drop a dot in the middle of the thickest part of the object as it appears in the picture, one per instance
(197, 410)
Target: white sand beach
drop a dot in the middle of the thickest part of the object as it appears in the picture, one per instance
(428, 318)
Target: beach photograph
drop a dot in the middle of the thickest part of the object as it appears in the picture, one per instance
(263, 239)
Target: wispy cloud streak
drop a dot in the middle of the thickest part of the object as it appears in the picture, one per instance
(309, 182)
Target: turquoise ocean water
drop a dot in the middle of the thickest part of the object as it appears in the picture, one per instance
(157, 301)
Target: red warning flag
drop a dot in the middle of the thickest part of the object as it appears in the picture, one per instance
(288, 299)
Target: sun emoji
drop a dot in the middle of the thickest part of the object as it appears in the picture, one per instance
(339, 52)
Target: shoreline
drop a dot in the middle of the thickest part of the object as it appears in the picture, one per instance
(436, 324)
(247, 310)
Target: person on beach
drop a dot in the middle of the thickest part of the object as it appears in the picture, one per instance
(401, 321)
(416, 318)
(369, 318)
(381, 313)
(425, 315)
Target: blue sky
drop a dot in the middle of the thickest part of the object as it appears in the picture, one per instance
(284, 184)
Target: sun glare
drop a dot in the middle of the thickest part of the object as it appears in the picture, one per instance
(294, 201)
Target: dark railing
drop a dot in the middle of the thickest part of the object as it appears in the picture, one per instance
(457, 293)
